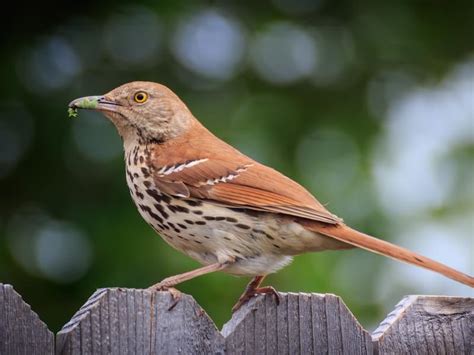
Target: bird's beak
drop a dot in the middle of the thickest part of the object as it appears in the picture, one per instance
(99, 103)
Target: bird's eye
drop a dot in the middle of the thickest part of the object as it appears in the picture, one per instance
(140, 97)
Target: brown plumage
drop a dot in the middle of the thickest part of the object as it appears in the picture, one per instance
(217, 205)
(239, 180)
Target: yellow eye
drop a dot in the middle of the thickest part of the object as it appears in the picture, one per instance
(140, 97)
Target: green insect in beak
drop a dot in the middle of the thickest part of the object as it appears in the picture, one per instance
(89, 102)
(72, 112)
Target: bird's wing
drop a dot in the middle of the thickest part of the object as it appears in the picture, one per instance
(240, 182)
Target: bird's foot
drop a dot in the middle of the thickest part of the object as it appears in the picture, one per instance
(249, 293)
(175, 293)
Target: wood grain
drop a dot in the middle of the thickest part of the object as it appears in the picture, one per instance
(301, 324)
(427, 325)
(21, 330)
(126, 321)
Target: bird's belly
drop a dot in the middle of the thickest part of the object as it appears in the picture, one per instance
(210, 234)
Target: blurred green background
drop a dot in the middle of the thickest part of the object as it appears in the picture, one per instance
(368, 104)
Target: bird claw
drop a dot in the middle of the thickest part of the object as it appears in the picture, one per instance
(175, 293)
(175, 297)
(258, 291)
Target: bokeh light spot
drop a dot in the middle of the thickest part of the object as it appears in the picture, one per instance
(209, 44)
(62, 251)
(283, 53)
(421, 128)
(49, 65)
(48, 248)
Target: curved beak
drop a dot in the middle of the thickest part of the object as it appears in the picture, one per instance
(93, 103)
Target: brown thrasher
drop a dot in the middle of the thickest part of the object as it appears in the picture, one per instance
(216, 205)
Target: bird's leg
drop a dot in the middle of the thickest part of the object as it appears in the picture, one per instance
(177, 279)
(169, 283)
(253, 289)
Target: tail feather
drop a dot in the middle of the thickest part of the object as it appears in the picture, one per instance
(348, 235)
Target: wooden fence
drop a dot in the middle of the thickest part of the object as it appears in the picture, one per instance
(128, 321)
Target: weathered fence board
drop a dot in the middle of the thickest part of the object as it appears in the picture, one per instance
(21, 331)
(301, 324)
(128, 321)
(427, 325)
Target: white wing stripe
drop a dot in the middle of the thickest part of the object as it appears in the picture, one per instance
(227, 178)
(165, 170)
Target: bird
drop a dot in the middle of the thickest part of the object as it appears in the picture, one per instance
(218, 206)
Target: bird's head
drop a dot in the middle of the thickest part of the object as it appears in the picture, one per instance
(148, 110)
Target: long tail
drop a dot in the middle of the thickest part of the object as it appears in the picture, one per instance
(350, 236)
